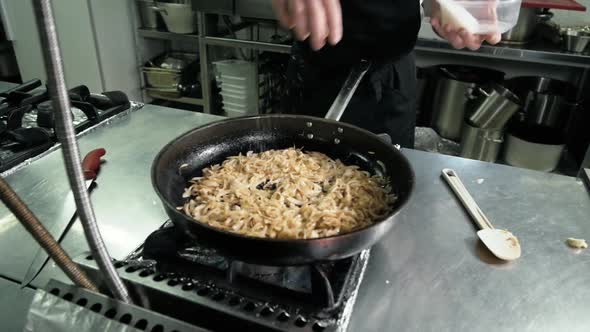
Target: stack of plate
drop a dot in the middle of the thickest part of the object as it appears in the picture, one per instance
(239, 88)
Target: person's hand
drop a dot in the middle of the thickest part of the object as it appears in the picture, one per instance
(318, 20)
(459, 37)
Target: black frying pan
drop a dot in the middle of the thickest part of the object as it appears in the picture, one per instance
(213, 143)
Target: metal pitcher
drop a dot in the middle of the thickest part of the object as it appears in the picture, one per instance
(453, 93)
(494, 108)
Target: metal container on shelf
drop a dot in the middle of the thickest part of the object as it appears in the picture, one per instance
(533, 146)
(576, 40)
(548, 110)
(147, 14)
(162, 78)
(536, 156)
(453, 92)
(178, 17)
(481, 144)
(165, 71)
(165, 93)
(546, 102)
(525, 27)
(494, 109)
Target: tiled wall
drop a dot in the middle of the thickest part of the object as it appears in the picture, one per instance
(566, 18)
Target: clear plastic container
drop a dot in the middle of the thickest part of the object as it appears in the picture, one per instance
(234, 98)
(480, 16)
(233, 113)
(236, 68)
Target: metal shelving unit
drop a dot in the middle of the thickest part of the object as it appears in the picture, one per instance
(185, 100)
(534, 54)
(206, 40)
(202, 40)
(165, 35)
(249, 44)
(170, 36)
(540, 52)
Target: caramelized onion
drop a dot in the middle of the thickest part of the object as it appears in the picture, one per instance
(287, 194)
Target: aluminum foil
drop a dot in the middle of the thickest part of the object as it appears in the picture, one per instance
(49, 313)
(31, 118)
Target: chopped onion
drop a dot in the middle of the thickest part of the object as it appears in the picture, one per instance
(287, 194)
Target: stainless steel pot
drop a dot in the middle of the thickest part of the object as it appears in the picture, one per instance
(547, 102)
(494, 107)
(547, 110)
(576, 40)
(178, 17)
(533, 146)
(540, 157)
(149, 17)
(453, 92)
(525, 27)
(481, 144)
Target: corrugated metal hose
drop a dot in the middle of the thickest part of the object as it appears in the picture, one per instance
(22, 212)
(71, 152)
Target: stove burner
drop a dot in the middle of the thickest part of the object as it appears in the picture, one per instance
(174, 272)
(170, 246)
(26, 116)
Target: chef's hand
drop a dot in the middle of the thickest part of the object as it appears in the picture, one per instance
(459, 37)
(318, 20)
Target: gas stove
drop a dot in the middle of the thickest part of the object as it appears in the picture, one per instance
(27, 119)
(179, 278)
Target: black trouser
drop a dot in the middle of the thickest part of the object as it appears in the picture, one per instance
(383, 103)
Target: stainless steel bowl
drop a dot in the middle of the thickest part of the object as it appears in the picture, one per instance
(576, 40)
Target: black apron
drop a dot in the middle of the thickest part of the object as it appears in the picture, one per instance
(385, 100)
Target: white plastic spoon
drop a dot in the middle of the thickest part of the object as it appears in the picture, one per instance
(501, 243)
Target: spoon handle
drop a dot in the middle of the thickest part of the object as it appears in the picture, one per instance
(465, 197)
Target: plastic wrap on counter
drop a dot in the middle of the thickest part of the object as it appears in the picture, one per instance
(426, 139)
(49, 313)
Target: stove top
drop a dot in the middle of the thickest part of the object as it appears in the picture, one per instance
(182, 279)
(27, 121)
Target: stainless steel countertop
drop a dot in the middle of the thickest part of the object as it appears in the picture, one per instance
(432, 274)
(124, 201)
(429, 274)
(536, 52)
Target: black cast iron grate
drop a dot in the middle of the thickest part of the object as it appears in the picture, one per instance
(200, 287)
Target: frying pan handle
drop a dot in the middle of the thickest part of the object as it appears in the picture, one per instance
(348, 88)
